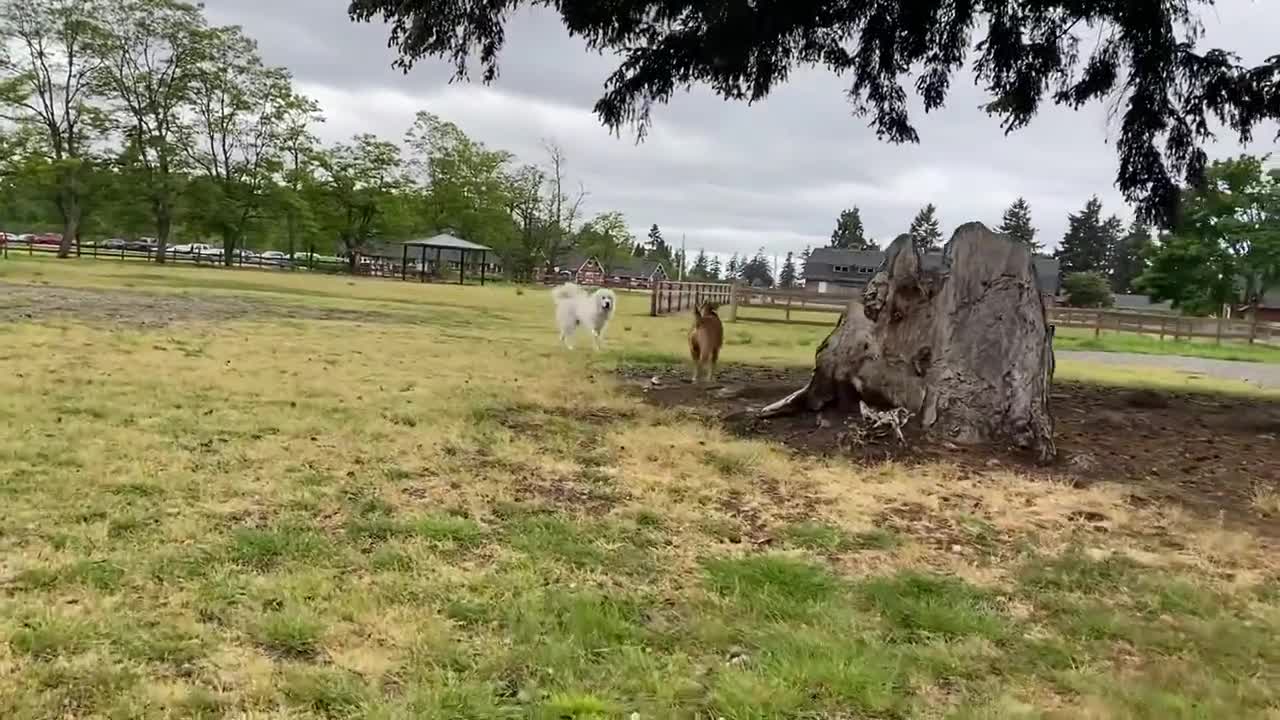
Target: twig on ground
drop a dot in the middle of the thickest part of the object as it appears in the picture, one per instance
(894, 419)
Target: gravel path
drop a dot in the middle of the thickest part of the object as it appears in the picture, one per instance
(1266, 375)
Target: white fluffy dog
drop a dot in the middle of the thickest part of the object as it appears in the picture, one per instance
(575, 306)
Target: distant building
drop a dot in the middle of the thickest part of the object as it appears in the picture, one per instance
(1144, 303)
(837, 270)
(630, 271)
(1269, 306)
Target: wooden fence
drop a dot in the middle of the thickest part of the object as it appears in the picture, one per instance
(670, 297)
(1177, 327)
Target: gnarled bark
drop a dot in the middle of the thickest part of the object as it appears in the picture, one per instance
(966, 347)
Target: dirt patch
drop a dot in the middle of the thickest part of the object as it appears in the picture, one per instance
(1208, 453)
(35, 302)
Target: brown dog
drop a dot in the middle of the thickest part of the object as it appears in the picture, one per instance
(705, 340)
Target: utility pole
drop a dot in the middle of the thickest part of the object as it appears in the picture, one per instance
(681, 257)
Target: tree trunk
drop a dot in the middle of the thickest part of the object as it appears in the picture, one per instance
(964, 347)
(69, 204)
(164, 225)
(70, 229)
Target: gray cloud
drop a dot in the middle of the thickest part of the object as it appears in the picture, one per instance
(729, 177)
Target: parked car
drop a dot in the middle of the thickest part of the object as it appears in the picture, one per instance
(7, 238)
(274, 257)
(194, 249)
(48, 239)
(114, 244)
(141, 245)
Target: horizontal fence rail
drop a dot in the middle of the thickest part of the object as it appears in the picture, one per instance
(413, 271)
(1176, 327)
(670, 297)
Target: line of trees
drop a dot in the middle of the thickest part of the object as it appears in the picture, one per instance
(137, 118)
(1223, 250)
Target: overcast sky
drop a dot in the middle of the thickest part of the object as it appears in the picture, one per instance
(729, 177)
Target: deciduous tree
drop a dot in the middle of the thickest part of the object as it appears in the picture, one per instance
(607, 238)
(49, 86)
(360, 180)
(150, 52)
(238, 106)
(1087, 289)
(471, 188)
(1226, 249)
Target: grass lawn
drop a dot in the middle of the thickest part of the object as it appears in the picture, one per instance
(425, 508)
(1083, 339)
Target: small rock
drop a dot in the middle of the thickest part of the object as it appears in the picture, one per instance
(823, 422)
(728, 393)
(655, 380)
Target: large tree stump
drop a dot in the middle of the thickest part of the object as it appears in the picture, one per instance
(966, 347)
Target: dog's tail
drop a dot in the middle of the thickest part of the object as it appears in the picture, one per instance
(565, 292)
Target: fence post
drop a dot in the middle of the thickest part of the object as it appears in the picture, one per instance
(1217, 339)
(1162, 324)
(653, 299)
(788, 308)
(1097, 323)
(733, 301)
(1253, 324)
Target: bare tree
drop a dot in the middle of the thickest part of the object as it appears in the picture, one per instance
(562, 211)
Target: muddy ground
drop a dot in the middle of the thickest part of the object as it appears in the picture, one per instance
(138, 309)
(1208, 453)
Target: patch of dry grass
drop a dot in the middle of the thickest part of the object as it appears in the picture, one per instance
(309, 518)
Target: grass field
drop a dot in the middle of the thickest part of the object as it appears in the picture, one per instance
(422, 507)
(1081, 339)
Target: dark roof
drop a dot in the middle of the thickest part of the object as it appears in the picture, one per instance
(1047, 268)
(636, 267)
(629, 266)
(1139, 302)
(445, 240)
(398, 251)
(842, 256)
(573, 262)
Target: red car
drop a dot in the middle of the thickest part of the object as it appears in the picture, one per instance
(48, 239)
